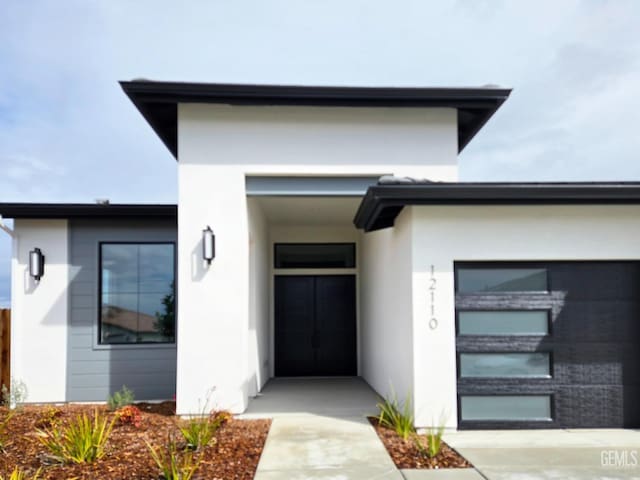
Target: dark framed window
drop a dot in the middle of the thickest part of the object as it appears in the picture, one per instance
(137, 293)
(314, 255)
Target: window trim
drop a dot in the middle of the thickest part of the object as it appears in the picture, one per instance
(502, 264)
(351, 244)
(99, 345)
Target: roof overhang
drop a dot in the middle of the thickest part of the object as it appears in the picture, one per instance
(158, 101)
(383, 203)
(87, 210)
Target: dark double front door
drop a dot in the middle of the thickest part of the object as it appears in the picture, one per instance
(315, 325)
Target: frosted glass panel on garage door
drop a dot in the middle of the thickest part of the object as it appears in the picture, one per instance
(501, 280)
(505, 407)
(523, 322)
(505, 365)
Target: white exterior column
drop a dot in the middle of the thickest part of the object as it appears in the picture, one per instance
(213, 300)
(39, 310)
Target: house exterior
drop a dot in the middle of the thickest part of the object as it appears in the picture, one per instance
(344, 245)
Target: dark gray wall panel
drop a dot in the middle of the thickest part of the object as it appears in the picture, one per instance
(94, 372)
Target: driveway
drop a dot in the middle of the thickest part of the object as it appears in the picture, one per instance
(551, 454)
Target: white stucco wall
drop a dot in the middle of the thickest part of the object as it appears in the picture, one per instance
(421, 142)
(386, 308)
(217, 147)
(445, 234)
(39, 310)
(259, 287)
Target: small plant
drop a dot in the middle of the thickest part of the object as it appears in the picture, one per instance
(130, 415)
(19, 474)
(3, 426)
(49, 417)
(433, 439)
(81, 441)
(121, 398)
(432, 444)
(15, 395)
(198, 432)
(393, 415)
(173, 463)
(222, 416)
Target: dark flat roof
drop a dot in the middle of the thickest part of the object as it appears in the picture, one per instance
(158, 101)
(87, 210)
(383, 203)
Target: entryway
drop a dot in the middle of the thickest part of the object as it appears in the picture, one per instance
(315, 325)
(333, 397)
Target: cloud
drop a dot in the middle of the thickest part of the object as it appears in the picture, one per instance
(68, 133)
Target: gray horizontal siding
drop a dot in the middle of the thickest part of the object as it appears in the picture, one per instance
(95, 372)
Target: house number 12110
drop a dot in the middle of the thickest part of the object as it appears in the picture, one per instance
(433, 321)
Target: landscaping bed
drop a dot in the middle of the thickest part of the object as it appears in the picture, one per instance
(233, 454)
(405, 453)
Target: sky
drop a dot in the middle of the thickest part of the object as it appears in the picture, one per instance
(69, 134)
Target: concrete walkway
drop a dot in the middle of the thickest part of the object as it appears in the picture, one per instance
(313, 447)
(320, 431)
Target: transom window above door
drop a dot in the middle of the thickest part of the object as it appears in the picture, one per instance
(314, 255)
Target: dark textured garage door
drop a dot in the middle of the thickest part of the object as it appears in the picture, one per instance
(552, 344)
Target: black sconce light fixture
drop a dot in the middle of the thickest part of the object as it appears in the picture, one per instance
(208, 244)
(36, 264)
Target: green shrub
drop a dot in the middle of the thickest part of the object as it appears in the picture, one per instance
(432, 444)
(3, 427)
(82, 440)
(173, 463)
(198, 432)
(121, 398)
(396, 416)
(19, 474)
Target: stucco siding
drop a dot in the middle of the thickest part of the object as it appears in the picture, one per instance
(386, 315)
(40, 309)
(259, 298)
(443, 235)
(96, 371)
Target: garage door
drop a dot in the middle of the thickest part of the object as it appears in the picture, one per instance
(553, 344)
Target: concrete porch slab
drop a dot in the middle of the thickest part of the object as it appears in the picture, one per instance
(332, 396)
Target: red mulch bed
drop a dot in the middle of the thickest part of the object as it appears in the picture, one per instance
(233, 456)
(406, 455)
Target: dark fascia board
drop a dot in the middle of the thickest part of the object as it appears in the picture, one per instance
(157, 101)
(383, 203)
(87, 210)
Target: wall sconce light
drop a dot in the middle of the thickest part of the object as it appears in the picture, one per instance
(36, 264)
(208, 244)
